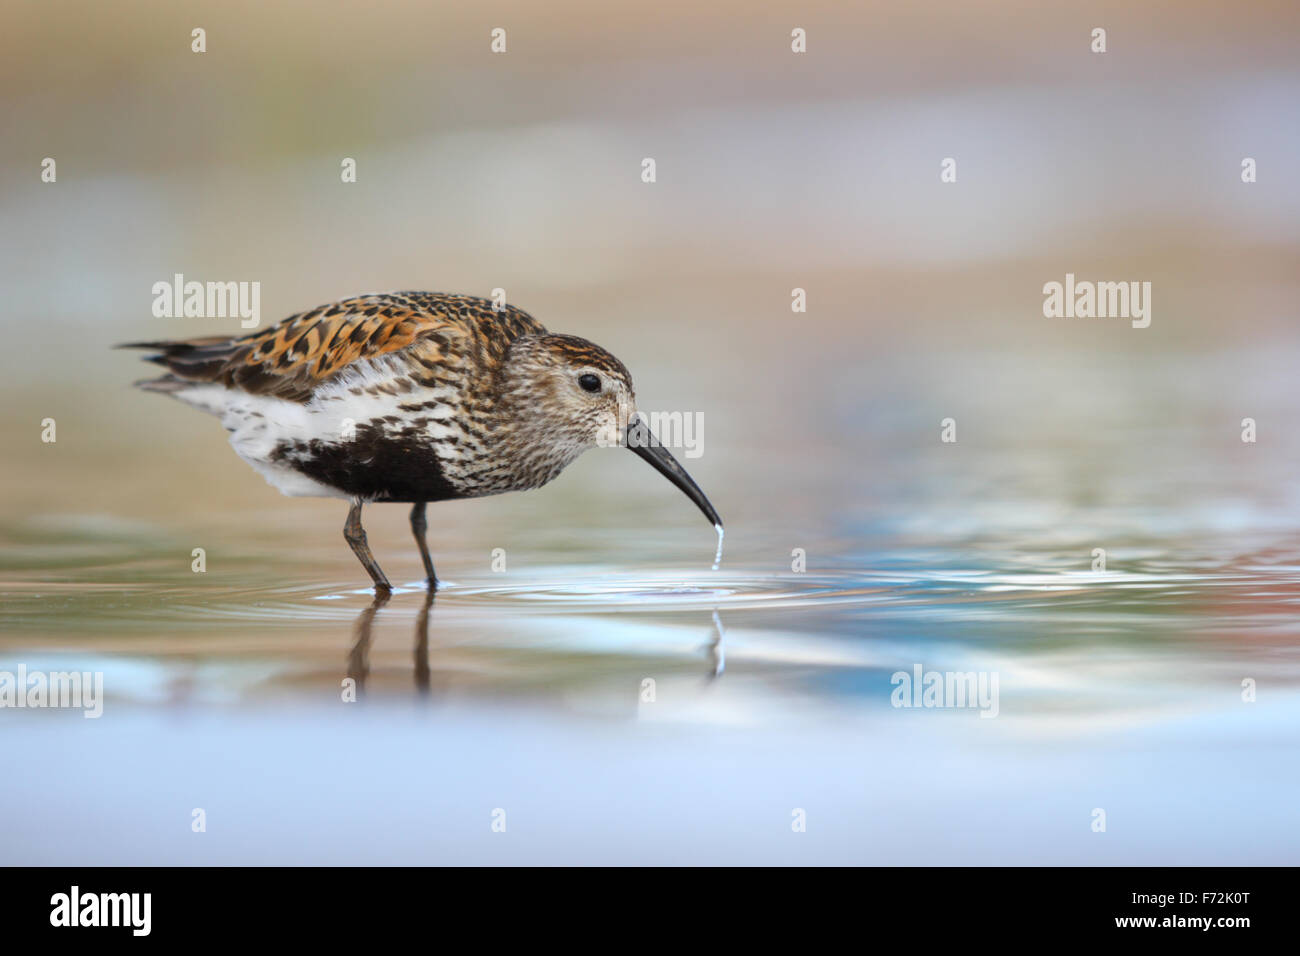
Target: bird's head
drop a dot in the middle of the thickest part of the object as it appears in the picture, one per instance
(563, 395)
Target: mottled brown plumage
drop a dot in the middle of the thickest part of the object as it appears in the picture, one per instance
(291, 359)
(410, 397)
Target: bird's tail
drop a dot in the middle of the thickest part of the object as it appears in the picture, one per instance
(167, 385)
(189, 363)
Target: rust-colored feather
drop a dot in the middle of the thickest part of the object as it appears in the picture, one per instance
(291, 359)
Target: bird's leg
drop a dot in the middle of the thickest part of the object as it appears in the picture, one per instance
(355, 535)
(418, 527)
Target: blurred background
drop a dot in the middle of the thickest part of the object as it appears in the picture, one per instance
(820, 171)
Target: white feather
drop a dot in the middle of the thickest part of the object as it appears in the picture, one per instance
(259, 424)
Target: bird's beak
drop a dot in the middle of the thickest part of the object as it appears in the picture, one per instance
(642, 441)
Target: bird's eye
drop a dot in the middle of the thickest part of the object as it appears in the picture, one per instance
(589, 382)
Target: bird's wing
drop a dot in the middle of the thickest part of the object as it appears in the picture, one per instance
(291, 359)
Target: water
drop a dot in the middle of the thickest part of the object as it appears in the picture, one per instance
(771, 692)
(622, 702)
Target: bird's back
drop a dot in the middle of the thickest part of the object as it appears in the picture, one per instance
(305, 351)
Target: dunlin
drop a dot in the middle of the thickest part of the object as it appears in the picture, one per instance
(411, 397)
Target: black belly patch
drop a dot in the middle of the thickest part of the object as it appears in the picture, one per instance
(376, 465)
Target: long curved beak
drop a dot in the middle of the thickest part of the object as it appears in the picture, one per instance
(642, 441)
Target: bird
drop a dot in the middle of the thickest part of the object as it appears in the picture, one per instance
(411, 397)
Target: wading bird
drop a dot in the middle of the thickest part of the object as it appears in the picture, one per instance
(411, 397)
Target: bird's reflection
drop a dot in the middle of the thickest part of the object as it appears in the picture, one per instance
(717, 652)
(359, 656)
(422, 644)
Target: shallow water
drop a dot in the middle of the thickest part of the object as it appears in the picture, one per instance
(525, 689)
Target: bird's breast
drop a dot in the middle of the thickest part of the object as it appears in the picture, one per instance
(389, 430)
